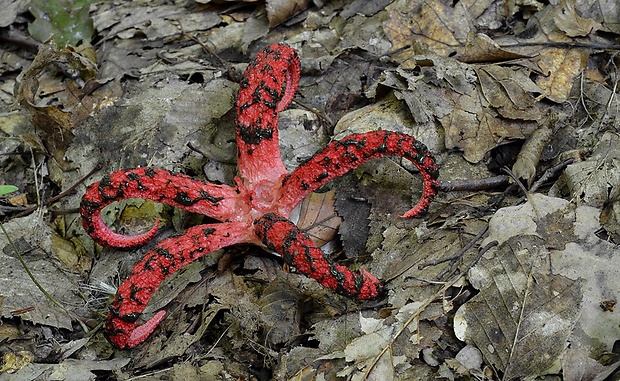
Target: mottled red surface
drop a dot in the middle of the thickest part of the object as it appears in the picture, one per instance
(255, 210)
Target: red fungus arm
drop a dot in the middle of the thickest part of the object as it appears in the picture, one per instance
(169, 255)
(341, 156)
(297, 249)
(267, 88)
(181, 191)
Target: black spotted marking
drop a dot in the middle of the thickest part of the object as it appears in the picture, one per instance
(164, 253)
(130, 318)
(90, 207)
(104, 186)
(212, 199)
(254, 135)
(133, 292)
(165, 270)
(148, 263)
(151, 172)
(196, 253)
(321, 177)
(383, 147)
(135, 177)
(276, 96)
(181, 258)
(326, 162)
(183, 199)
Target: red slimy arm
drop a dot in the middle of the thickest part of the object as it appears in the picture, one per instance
(297, 249)
(341, 156)
(267, 88)
(217, 201)
(169, 255)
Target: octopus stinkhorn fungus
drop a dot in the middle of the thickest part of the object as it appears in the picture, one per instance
(255, 210)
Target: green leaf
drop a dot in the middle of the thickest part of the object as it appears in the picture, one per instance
(66, 21)
(6, 189)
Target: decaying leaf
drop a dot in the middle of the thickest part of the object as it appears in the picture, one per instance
(510, 91)
(71, 369)
(595, 181)
(560, 68)
(280, 314)
(434, 26)
(354, 209)
(575, 252)
(529, 156)
(610, 220)
(279, 11)
(318, 218)
(55, 123)
(467, 111)
(462, 77)
(477, 130)
(125, 20)
(12, 362)
(522, 317)
(569, 21)
(33, 239)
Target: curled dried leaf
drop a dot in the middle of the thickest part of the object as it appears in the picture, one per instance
(318, 218)
(527, 161)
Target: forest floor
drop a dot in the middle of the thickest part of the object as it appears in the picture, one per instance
(511, 274)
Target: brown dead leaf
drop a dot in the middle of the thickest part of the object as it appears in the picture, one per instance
(55, 123)
(279, 11)
(476, 130)
(445, 90)
(33, 239)
(432, 26)
(510, 91)
(318, 218)
(529, 156)
(72, 254)
(154, 21)
(560, 67)
(13, 362)
(449, 30)
(568, 20)
(280, 313)
(610, 220)
(481, 48)
(354, 209)
(522, 317)
(575, 252)
(595, 181)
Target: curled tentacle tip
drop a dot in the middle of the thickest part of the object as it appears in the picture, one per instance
(103, 235)
(412, 213)
(141, 333)
(371, 287)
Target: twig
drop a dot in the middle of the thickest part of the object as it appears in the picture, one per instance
(546, 176)
(210, 156)
(204, 47)
(458, 253)
(473, 185)
(60, 195)
(318, 113)
(549, 174)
